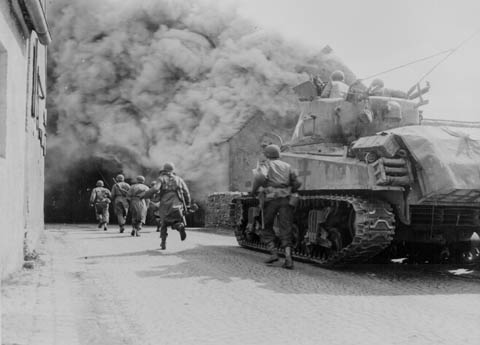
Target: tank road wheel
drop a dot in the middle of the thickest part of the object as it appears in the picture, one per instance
(336, 238)
(358, 229)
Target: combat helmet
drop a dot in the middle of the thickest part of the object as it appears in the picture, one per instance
(99, 183)
(140, 179)
(120, 178)
(169, 167)
(272, 151)
(337, 76)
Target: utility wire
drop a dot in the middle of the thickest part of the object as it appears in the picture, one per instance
(448, 53)
(409, 63)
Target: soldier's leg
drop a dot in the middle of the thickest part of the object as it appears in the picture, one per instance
(121, 222)
(120, 213)
(139, 227)
(285, 224)
(98, 215)
(163, 235)
(181, 229)
(105, 216)
(134, 224)
(267, 234)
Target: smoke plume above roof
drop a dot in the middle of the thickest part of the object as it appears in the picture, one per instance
(146, 82)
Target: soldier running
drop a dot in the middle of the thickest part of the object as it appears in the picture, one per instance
(174, 201)
(120, 203)
(278, 182)
(100, 199)
(138, 206)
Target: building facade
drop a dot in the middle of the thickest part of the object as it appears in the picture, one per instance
(24, 37)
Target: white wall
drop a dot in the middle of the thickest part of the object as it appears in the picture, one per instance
(21, 203)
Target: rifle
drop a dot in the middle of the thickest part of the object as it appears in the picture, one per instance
(116, 183)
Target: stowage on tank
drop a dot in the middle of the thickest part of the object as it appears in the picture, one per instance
(376, 181)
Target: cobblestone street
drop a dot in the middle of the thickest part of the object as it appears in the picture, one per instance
(96, 287)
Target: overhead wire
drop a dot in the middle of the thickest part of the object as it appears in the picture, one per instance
(408, 64)
(453, 50)
(448, 53)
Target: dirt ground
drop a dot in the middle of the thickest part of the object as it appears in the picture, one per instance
(97, 287)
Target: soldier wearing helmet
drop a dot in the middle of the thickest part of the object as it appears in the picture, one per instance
(100, 199)
(138, 205)
(376, 88)
(276, 180)
(120, 203)
(174, 201)
(336, 87)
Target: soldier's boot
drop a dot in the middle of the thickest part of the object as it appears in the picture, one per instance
(137, 230)
(163, 244)
(100, 220)
(288, 264)
(181, 230)
(105, 228)
(122, 228)
(273, 254)
(133, 230)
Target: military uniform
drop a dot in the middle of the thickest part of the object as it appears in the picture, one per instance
(336, 87)
(138, 206)
(174, 194)
(100, 199)
(120, 202)
(154, 209)
(279, 181)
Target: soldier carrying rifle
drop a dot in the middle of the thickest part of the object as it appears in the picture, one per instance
(100, 199)
(120, 203)
(138, 204)
(278, 183)
(174, 202)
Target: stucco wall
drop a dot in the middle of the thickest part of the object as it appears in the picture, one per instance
(21, 166)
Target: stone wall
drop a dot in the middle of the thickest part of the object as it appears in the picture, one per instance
(217, 214)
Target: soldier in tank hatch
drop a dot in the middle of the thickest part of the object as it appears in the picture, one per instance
(100, 199)
(336, 87)
(120, 203)
(277, 181)
(174, 201)
(138, 205)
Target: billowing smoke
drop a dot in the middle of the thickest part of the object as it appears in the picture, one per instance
(141, 83)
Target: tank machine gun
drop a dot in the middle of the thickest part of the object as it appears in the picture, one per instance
(375, 179)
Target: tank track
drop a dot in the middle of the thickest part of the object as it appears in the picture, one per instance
(373, 229)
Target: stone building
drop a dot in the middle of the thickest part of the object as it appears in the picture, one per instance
(24, 37)
(240, 154)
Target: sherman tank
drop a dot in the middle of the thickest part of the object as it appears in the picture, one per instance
(377, 181)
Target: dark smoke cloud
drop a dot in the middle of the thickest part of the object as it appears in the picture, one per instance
(146, 82)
